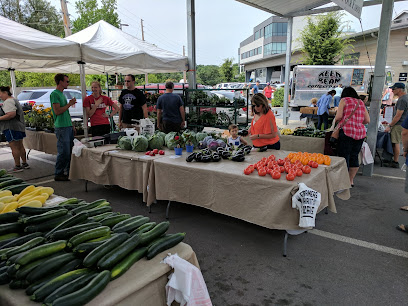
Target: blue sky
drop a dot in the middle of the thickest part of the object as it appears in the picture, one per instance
(220, 24)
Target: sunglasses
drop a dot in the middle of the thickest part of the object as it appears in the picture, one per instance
(126, 81)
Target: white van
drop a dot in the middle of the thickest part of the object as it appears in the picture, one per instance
(314, 81)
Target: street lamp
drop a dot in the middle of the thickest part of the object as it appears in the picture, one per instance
(123, 25)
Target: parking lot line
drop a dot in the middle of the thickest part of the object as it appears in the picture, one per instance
(390, 177)
(360, 243)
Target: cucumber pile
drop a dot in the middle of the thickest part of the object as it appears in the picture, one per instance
(67, 254)
(309, 132)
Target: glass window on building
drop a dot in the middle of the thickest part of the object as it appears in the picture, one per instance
(259, 50)
(279, 29)
(268, 30)
(251, 53)
(274, 48)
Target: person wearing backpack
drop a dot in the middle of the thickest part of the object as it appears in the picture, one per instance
(13, 127)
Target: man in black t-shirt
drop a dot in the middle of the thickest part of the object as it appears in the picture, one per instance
(132, 104)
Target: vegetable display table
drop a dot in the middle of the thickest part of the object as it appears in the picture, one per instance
(143, 284)
(223, 188)
(303, 144)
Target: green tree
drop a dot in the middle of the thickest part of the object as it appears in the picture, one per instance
(322, 40)
(208, 74)
(227, 70)
(90, 13)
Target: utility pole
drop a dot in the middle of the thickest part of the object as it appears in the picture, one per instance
(146, 75)
(184, 72)
(65, 17)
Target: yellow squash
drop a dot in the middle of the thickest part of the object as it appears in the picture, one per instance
(26, 191)
(10, 207)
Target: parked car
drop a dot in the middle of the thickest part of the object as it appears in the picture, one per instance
(42, 96)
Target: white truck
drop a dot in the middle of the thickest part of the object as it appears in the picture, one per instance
(313, 81)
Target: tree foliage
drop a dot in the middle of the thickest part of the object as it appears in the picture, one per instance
(226, 70)
(89, 13)
(322, 40)
(208, 74)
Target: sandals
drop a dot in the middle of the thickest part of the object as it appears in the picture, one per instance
(404, 208)
(403, 228)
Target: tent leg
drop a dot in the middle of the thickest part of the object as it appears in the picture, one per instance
(29, 150)
(83, 90)
(86, 185)
(285, 244)
(326, 211)
(168, 210)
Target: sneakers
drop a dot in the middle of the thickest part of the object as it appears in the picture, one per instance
(16, 169)
(25, 166)
(394, 164)
(61, 178)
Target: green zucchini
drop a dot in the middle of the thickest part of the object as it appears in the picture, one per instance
(46, 226)
(70, 206)
(13, 258)
(88, 235)
(100, 217)
(128, 220)
(9, 217)
(73, 220)
(4, 278)
(7, 178)
(127, 262)
(3, 269)
(16, 189)
(22, 272)
(3, 172)
(70, 287)
(41, 251)
(87, 206)
(154, 233)
(67, 233)
(41, 293)
(130, 226)
(86, 247)
(158, 239)
(107, 236)
(50, 265)
(27, 210)
(69, 201)
(24, 247)
(117, 254)
(144, 228)
(8, 228)
(98, 210)
(164, 244)
(113, 220)
(49, 215)
(11, 270)
(11, 182)
(7, 237)
(18, 284)
(87, 293)
(72, 265)
(21, 240)
(93, 257)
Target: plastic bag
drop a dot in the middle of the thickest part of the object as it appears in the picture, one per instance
(77, 148)
(307, 201)
(186, 285)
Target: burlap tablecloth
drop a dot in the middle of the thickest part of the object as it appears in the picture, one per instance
(42, 141)
(223, 188)
(143, 284)
(302, 144)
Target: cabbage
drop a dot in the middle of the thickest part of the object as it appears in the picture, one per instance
(207, 140)
(201, 136)
(125, 143)
(140, 144)
(160, 133)
(213, 145)
(156, 142)
(169, 136)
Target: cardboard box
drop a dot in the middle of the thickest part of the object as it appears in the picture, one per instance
(308, 110)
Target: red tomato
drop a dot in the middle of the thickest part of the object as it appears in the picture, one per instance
(247, 171)
(310, 163)
(272, 157)
(290, 177)
(281, 169)
(299, 166)
(315, 165)
(152, 153)
(276, 175)
(147, 153)
(281, 162)
(286, 159)
(262, 172)
(269, 171)
(306, 169)
(161, 152)
(299, 172)
(156, 151)
(270, 165)
(264, 159)
(251, 167)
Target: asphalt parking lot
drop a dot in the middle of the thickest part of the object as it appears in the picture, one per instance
(354, 257)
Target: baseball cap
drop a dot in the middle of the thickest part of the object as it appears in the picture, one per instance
(398, 85)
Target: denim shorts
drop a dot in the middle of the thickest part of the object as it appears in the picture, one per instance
(14, 135)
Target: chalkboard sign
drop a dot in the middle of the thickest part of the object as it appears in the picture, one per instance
(358, 77)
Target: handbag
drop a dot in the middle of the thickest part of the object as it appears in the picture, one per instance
(336, 129)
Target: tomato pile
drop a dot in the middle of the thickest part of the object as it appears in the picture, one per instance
(154, 152)
(277, 168)
(305, 158)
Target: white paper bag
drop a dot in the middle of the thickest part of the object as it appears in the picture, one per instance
(77, 148)
(186, 285)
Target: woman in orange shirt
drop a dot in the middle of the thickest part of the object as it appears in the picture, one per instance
(263, 130)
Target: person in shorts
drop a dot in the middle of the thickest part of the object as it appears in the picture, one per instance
(13, 127)
(394, 127)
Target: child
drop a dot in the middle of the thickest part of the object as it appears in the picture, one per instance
(313, 102)
(234, 139)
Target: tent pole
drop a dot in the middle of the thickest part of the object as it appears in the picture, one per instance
(379, 79)
(191, 45)
(83, 90)
(287, 71)
(13, 81)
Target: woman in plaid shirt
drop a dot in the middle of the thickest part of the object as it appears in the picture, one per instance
(352, 132)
